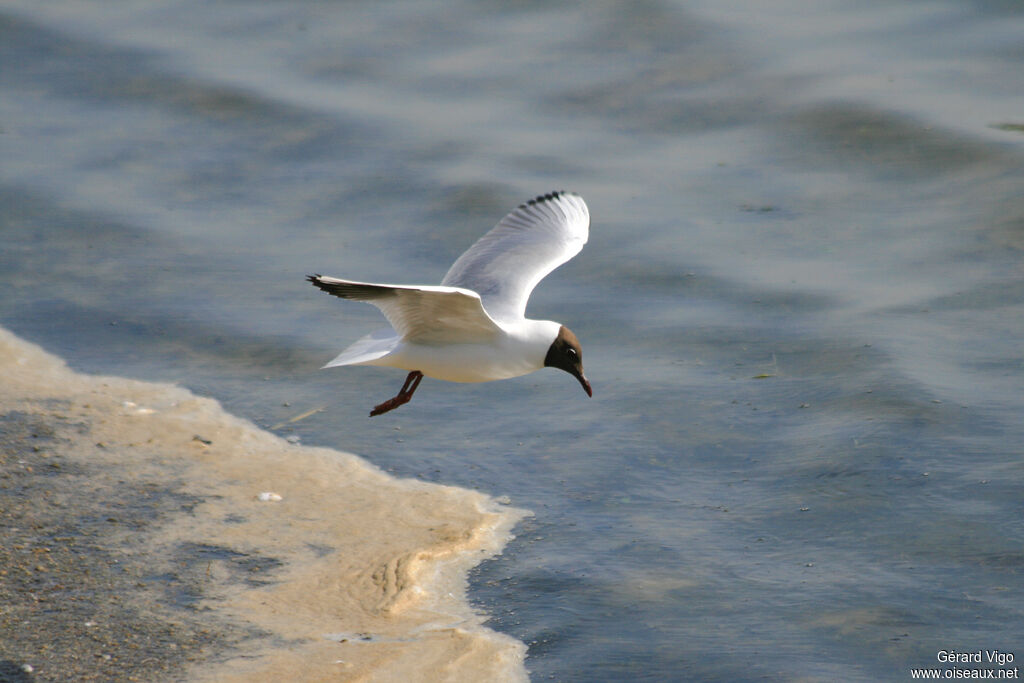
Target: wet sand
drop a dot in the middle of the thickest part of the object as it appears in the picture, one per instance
(135, 545)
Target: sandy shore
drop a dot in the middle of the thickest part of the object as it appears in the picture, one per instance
(134, 545)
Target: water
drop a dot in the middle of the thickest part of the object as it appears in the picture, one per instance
(800, 307)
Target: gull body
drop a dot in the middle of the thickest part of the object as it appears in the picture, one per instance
(472, 327)
(516, 350)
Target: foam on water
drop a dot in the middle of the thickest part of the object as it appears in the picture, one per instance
(343, 549)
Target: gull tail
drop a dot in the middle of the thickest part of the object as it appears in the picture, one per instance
(366, 350)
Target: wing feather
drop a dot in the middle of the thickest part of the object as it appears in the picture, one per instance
(506, 264)
(421, 314)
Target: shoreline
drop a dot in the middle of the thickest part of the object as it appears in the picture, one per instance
(137, 546)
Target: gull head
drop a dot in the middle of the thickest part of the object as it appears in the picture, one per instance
(565, 354)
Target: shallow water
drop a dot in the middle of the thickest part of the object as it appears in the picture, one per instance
(800, 306)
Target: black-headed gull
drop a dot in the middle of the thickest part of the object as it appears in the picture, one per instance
(472, 328)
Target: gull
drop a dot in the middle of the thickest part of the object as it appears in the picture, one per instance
(473, 327)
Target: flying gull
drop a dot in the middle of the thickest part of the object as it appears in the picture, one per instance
(472, 328)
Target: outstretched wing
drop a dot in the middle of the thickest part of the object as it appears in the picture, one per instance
(425, 315)
(506, 264)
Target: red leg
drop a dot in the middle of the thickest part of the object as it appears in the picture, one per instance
(411, 382)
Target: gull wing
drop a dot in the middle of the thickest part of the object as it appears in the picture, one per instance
(420, 314)
(506, 264)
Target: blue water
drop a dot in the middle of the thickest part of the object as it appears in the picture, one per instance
(801, 307)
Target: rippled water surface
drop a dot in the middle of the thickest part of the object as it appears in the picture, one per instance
(801, 305)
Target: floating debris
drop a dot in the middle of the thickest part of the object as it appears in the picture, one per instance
(300, 416)
(1009, 127)
(135, 409)
(360, 637)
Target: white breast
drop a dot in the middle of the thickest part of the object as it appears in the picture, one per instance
(520, 351)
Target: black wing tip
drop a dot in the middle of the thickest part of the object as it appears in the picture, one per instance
(359, 291)
(317, 281)
(550, 196)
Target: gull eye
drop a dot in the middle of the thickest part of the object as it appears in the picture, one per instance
(571, 352)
